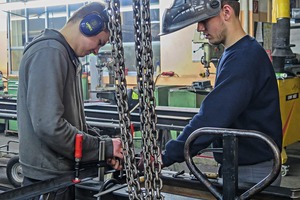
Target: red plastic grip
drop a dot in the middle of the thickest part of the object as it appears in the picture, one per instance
(170, 73)
(78, 146)
(132, 129)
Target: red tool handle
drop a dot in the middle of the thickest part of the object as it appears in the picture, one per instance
(78, 146)
(170, 73)
(132, 129)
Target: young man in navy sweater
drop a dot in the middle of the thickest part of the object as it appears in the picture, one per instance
(245, 94)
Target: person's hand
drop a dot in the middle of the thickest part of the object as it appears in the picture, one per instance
(117, 148)
(140, 164)
(115, 163)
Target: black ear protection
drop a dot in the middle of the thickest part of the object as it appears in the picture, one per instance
(92, 24)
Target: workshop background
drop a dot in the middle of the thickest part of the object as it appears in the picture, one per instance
(21, 21)
(183, 60)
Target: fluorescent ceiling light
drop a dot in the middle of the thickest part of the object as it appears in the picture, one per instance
(37, 4)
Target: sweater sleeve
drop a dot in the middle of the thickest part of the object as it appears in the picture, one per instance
(220, 108)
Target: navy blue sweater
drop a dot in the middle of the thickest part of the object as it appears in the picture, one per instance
(246, 97)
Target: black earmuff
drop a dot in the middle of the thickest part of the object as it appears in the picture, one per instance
(92, 24)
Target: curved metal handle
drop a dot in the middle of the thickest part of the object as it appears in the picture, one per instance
(239, 133)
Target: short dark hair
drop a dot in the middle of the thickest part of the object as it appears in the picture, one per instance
(93, 7)
(234, 4)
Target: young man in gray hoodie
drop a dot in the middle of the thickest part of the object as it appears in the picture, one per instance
(50, 102)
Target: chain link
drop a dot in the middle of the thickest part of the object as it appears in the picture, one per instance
(115, 39)
(141, 68)
(146, 87)
(150, 88)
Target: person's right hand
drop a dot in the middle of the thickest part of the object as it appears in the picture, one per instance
(115, 163)
(117, 148)
(140, 164)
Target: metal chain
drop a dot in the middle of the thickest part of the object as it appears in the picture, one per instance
(115, 39)
(146, 87)
(145, 70)
(148, 57)
(141, 83)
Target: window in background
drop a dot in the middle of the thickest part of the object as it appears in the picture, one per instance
(16, 55)
(18, 28)
(36, 21)
(129, 2)
(129, 38)
(57, 17)
(17, 38)
(53, 17)
(74, 7)
(23, 31)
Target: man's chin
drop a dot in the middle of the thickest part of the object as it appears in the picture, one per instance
(212, 42)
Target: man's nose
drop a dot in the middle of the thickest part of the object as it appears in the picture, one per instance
(200, 27)
(96, 50)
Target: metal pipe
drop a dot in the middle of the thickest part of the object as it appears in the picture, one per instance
(281, 34)
(101, 170)
(283, 9)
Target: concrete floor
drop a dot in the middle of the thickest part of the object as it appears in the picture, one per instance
(291, 180)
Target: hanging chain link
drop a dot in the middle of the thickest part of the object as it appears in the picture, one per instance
(146, 87)
(149, 89)
(141, 83)
(116, 41)
(145, 83)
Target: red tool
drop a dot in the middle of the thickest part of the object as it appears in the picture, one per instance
(170, 73)
(132, 129)
(78, 155)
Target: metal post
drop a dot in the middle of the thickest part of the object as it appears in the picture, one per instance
(101, 170)
(230, 166)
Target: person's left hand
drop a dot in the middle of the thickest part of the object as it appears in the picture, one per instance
(115, 163)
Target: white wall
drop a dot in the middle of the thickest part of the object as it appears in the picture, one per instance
(295, 39)
(176, 49)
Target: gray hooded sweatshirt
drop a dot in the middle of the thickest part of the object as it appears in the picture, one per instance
(50, 109)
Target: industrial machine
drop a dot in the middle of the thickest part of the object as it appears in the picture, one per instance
(211, 53)
(98, 64)
(287, 70)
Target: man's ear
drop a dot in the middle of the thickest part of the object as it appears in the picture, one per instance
(227, 11)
